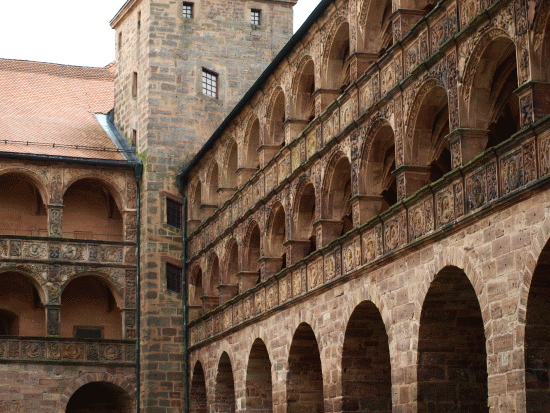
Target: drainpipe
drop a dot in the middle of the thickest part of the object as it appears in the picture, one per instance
(184, 296)
(138, 169)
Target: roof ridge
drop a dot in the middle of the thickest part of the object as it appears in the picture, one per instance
(56, 69)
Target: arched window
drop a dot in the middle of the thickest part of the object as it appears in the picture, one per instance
(339, 194)
(305, 102)
(338, 71)
(213, 185)
(253, 160)
(232, 166)
(277, 119)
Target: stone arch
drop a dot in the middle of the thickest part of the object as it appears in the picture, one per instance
(36, 282)
(452, 366)
(377, 163)
(336, 193)
(195, 198)
(276, 117)
(425, 144)
(116, 191)
(490, 80)
(303, 87)
(252, 142)
(212, 183)
(87, 378)
(195, 291)
(100, 395)
(304, 214)
(213, 279)
(225, 400)
(89, 300)
(336, 65)
(304, 381)
(36, 179)
(375, 26)
(197, 393)
(113, 286)
(252, 251)
(231, 164)
(258, 379)
(231, 262)
(541, 42)
(276, 233)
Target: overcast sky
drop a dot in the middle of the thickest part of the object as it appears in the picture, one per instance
(73, 32)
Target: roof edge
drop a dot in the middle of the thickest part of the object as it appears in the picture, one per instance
(294, 40)
(121, 13)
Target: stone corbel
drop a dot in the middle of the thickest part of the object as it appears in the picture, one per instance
(466, 144)
(270, 266)
(534, 101)
(410, 178)
(293, 127)
(267, 152)
(225, 193)
(296, 250)
(247, 279)
(207, 210)
(359, 62)
(324, 97)
(227, 292)
(403, 20)
(365, 207)
(209, 302)
(327, 230)
(244, 175)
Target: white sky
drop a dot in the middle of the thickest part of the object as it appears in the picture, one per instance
(73, 32)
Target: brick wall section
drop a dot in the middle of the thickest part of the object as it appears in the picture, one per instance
(173, 119)
(500, 277)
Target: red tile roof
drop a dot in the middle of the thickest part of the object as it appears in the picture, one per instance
(49, 109)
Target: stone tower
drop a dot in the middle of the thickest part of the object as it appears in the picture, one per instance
(180, 68)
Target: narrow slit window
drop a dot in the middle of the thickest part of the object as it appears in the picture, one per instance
(134, 137)
(187, 10)
(139, 21)
(173, 278)
(119, 40)
(209, 83)
(173, 213)
(256, 17)
(134, 85)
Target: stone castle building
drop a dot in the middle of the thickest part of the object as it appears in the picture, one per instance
(358, 222)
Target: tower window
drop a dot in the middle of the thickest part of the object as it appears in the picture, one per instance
(256, 17)
(134, 137)
(134, 85)
(209, 83)
(139, 21)
(173, 278)
(119, 40)
(187, 10)
(173, 213)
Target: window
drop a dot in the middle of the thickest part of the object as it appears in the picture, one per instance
(134, 137)
(209, 83)
(256, 17)
(173, 278)
(134, 85)
(139, 21)
(88, 332)
(173, 213)
(119, 40)
(187, 10)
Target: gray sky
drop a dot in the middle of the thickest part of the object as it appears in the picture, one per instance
(73, 32)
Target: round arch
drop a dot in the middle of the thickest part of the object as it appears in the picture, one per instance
(303, 87)
(114, 189)
(37, 180)
(276, 117)
(35, 282)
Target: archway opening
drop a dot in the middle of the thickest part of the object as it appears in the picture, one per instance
(276, 239)
(378, 34)
(21, 309)
(197, 393)
(195, 294)
(276, 129)
(339, 195)
(214, 275)
(90, 212)
(305, 218)
(338, 70)
(253, 159)
(22, 209)
(494, 106)
(253, 253)
(100, 397)
(232, 166)
(195, 213)
(89, 310)
(366, 368)
(430, 147)
(225, 386)
(233, 264)
(305, 102)
(305, 376)
(452, 360)
(258, 380)
(537, 338)
(213, 185)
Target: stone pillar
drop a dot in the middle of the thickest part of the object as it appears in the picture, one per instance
(296, 250)
(130, 226)
(227, 292)
(293, 127)
(53, 319)
(209, 302)
(327, 230)
(365, 207)
(129, 323)
(323, 97)
(534, 101)
(55, 223)
(466, 144)
(244, 175)
(403, 20)
(247, 279)
(270, 266)
(410, 178)
(225, 193)
(359, 62)
(267, 152)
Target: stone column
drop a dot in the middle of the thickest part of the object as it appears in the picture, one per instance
(53, 319)
(410, 178)
(130, 225)
(55, 222)
(466, 144)
(129, 323)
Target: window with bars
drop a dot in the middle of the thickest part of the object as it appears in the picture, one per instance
(173, 278)
(256, 17)
(187, 10)
(173, 213)
(209, 83)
